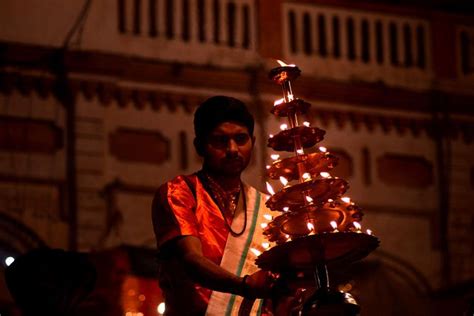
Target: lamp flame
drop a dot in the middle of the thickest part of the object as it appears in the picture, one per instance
(346, 199)
(300, 151)
(283, 127)
(357, 226)
(306, 176)
(283, 64)
(323, 149)
(270, 189)
(310, 226)
(325, 174)
(286, 209)
(268, 217)
(369, 232)
(309, 199)
(256, 252)
(283, 181)
(267, 167)
(333, 225)
(265, 245)
(271, 135)
(275, 156)
(279, 101)
(306, 124)
(263, 225)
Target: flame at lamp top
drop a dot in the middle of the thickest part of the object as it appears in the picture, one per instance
(283, 64)
(310, 226)
(309, 199)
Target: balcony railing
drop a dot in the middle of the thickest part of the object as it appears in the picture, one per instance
(358, 45)
(198, 31)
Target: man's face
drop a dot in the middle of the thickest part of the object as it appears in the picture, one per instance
(228, 148)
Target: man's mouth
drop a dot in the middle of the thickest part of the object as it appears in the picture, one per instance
(233, 161)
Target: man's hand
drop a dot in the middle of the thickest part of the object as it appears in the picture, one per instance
(258, 285)
(264, 284)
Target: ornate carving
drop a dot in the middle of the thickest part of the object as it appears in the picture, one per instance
(405, 171)
(135, 145)
(345, 166)
(109, 91)
(30, 135)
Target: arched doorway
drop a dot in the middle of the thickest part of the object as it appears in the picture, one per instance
(15, 239)
(384, 284)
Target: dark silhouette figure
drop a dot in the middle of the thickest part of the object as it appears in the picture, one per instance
(50, 281)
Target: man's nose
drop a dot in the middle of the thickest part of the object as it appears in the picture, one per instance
(232, 146)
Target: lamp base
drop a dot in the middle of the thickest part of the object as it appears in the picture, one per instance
(327, 302)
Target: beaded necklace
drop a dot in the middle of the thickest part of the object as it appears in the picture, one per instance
(225, 201)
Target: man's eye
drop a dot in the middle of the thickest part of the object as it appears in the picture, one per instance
(241, 139)
(219, 140)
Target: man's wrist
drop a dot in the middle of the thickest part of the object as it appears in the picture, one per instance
(244, 287)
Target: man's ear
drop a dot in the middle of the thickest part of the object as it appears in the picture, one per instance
(199, 146)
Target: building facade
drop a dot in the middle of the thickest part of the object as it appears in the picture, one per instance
(96, 110)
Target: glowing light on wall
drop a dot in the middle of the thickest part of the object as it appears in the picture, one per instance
(161, 308)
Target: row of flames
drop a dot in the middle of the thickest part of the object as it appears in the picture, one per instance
(267, 245)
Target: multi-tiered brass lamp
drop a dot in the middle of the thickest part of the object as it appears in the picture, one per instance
(318, 226)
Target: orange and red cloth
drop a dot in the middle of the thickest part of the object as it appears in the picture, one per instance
(183, 207)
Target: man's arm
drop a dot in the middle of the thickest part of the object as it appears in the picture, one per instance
(206, 273)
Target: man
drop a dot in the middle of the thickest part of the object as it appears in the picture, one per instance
(206, 223)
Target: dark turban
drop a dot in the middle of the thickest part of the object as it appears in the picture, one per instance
(217, 110)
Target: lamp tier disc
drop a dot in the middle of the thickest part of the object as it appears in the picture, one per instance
(284, 73)
(312, 163)
(285, 140)
(319, 190)
(294, 224)
(329, 248)
(290, 108)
